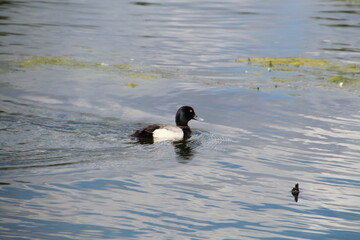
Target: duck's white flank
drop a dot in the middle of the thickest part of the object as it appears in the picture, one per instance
(168, 133)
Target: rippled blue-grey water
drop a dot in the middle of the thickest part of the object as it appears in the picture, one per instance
(69, 170)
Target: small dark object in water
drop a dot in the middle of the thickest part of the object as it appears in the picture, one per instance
(295, 192)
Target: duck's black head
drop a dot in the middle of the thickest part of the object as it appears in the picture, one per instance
(184, 115)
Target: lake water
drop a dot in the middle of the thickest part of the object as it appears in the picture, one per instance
(77, 77)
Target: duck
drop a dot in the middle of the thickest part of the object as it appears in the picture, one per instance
(295, 191)
(162, 132)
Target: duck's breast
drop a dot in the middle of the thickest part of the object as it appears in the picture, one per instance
(168, 133)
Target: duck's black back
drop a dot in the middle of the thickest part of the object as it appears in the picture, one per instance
(146, 132)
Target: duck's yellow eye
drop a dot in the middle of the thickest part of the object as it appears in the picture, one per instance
(190, 110)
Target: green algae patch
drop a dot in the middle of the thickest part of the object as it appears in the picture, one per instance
(255, 88)
(290, 62)
(335, 79)
(58, 61)
(345, 68)
(141, 76)
(126, 71)
(344, 75)
(131, 85)
(283, 69)
(279, 80)
(344, 80)
(340, 74)
(68, 62)
(121, 66)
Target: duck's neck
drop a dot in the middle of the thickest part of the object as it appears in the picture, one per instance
(180, 123)
(187, 131)
(181, 120)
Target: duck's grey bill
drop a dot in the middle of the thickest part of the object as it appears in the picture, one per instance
(198, 119)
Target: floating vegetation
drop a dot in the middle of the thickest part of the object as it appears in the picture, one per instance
(342, 75)
(58, 61)
(279, 80)
(67, 62)
(141, 76)
(291, 62)
(131, 85)
(335, 79)
(255, 88)
(345, 80)
(127, 72)
(121, 66)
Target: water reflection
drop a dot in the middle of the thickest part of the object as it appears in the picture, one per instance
(343, 17)
(184, 149)
(6, 3)
(144, 3)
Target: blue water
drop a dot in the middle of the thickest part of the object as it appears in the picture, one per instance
(69, 170)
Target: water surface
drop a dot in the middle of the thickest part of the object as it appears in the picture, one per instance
(69, 170)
